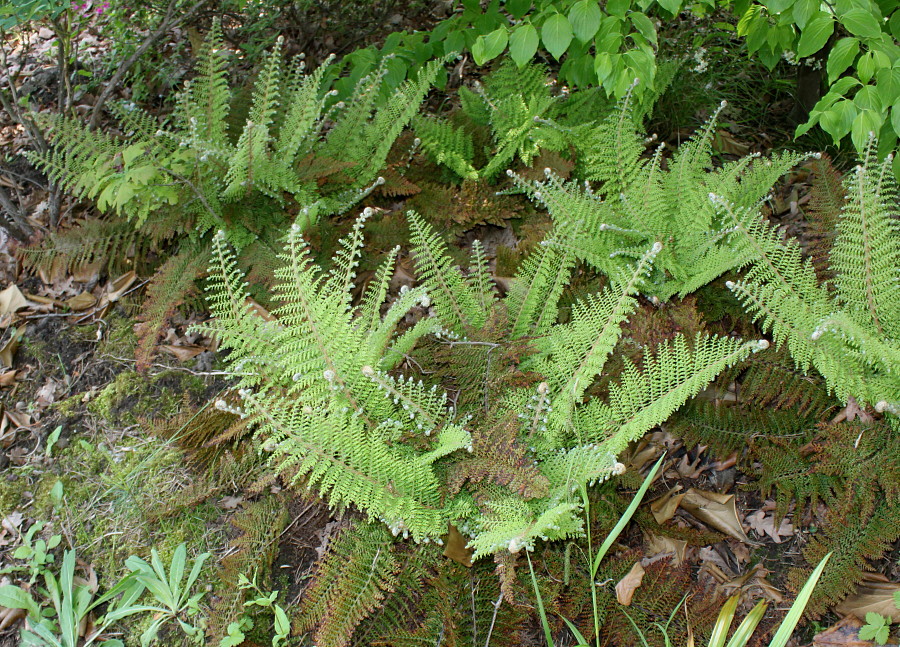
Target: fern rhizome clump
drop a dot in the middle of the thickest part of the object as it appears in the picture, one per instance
(341, 407)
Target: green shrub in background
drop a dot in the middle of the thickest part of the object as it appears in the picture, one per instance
(610, 44)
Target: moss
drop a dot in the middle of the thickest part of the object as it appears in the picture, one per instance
(133, 396)
(12, 487)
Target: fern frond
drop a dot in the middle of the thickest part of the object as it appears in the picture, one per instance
(352, 580)
(447, 144)
(866, 254)
(173, 283)
(675, 372)
(457, 304)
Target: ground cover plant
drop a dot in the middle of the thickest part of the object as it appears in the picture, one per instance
(489, 365)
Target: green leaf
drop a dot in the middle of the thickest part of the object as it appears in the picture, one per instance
(778, 6)
(517, 8)
(585, 18)
(838, 120)
(618, 7)
(556, 34)
(133, 151)
(861, 22)
(523, 43)
(865, 68)
(644, 25)
(865, 123)
(603, 66)
(895, 124)
(841, 57)
(625, 518)
(455, 42)
(868, 98)
(672, 6)
(796, 612)
(816, 33)
(803, 11)
(894, 24)
(489, 47)
(12, 597)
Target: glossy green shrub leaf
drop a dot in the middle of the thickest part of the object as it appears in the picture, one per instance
(838, 119)
(672, 6)
(618, 7)
(895, 118)
(556, 35)
(489, 47)
(603, 66)
(865, 124)
(455, 42)
(816, 33)
(517, 8)
(865, 68)
(841, 57)
(523, 43)
(868, 98)
(776, 7)
(894, 26)
(585, 18)
(862, 23)
(803, 11)
(644, 25)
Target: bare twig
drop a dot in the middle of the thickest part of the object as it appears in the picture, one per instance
(169, 21)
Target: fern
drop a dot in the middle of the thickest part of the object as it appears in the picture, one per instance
(519, 109)
(317, 383)
(851, 336)
(173, 283)
(359, 570)
(640, 201)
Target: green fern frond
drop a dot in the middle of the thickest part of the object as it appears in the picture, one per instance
(447, 144)
(866, 254)
(849, 337)
(457, 303)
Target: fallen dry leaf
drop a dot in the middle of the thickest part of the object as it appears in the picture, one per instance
(764, 524)
(182, 353)
(117, 288)
(628, 585)
(659, 546)
(8, 351)
(8, 617)
(844, 634)
(717, 511)
(11, 299)
(81, 302)
(7, 378)
(665, 506)
(230, 502)
(455, 547)
(875, 594)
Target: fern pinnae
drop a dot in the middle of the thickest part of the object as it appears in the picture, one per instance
(298, 127)
(535, 291)
(457, 305)
(671, 375)
(866, 251)
(479, 277)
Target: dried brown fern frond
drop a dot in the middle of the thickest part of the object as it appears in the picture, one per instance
(499, 457)
(771, 380)
(251, 553)
(871, 532)
(461, 208)
(351, 582)
(109, 246)
(173, 283)
(826, 200)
